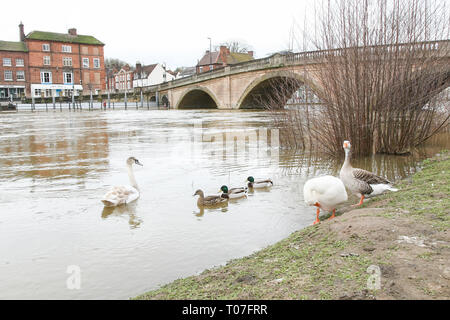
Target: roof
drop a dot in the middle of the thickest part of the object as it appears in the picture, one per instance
(232, 58)
(149, 69)
(62, 37)
(235, 57)
(13, 46)
(208, 58)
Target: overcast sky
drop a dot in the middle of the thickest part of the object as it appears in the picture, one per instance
(174, 32)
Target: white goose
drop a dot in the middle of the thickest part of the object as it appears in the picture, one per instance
(361, 182)
(325, 193)
(123, 194)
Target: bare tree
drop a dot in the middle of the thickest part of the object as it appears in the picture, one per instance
(384, 67)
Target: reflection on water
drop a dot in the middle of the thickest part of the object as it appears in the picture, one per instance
(56, 166)
(124, 211)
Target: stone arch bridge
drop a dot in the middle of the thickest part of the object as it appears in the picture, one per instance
(239, 85)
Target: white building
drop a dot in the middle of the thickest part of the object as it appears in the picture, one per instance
(145, 76)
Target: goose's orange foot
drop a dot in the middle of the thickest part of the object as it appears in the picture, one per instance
(360, 202)
(317, 221)
(333, 215)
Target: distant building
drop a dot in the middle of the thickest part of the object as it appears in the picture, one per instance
(221, 58)
(14, 76)
(110, 82)
(123, 79)
(150, 75)
(186, 72)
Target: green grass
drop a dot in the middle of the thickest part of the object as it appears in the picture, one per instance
(425, 196)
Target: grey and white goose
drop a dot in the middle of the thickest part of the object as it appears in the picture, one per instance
(362, 182)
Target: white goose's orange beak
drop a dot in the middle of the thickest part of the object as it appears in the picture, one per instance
(345, 145)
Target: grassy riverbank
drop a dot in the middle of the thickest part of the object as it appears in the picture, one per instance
(405, 234)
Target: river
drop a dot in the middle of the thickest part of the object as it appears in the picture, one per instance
(55, 167)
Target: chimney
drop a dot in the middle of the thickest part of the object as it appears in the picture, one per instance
(73, 31)
(138, 69)
(250, 53)
(21, 32)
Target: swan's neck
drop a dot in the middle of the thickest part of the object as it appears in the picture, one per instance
(131, 176)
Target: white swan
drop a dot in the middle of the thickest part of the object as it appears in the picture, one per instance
(123, 194)
(325, 193)
(361, 182)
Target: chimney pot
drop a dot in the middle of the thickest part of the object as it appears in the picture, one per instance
(21, 32)
(73, 31)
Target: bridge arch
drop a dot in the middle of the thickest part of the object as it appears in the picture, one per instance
(263, 86)
(197, 98)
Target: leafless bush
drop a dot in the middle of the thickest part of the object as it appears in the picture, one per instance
(380, 77)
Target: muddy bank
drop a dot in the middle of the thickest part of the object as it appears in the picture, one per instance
(394, 247)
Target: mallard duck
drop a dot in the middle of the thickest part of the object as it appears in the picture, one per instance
(123, 194)
(209, 200)
(325, 193)
(233, 193)
(252, 183)
(361, 182)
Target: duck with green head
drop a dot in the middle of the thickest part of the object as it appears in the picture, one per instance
(233, 193)
(260, 183)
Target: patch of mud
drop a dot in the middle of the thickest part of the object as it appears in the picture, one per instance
(414, 259)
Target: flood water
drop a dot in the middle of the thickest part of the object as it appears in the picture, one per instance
(56, 166)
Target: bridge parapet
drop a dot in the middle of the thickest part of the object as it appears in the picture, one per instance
(300, 58)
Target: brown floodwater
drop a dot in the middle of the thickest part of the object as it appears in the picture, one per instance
(56, 166)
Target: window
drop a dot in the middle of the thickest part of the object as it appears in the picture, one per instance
(95, 51)
(84, 50)
(8, 75)
(128, 76)
(67, 77)
(67, 62)
(19, 63)
(7, 62)
(96, 63)
(129, 85)
(47, 60)
(66, 49)
(117, 78)
(20, 75)
(37, 92)
(46, 77)
(45, 47)
(85, 62)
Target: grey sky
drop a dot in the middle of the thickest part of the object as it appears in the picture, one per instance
(175, 32)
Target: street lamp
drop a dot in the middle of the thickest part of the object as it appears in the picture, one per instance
(210, 56)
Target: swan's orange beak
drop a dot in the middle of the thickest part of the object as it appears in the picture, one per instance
(345, 145)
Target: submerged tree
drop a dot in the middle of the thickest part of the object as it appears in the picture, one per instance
(384, 68)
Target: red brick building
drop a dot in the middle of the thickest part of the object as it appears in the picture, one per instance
(45, 64)
(123, 79)
(14, 76)
(62, 62)
(221, 58)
